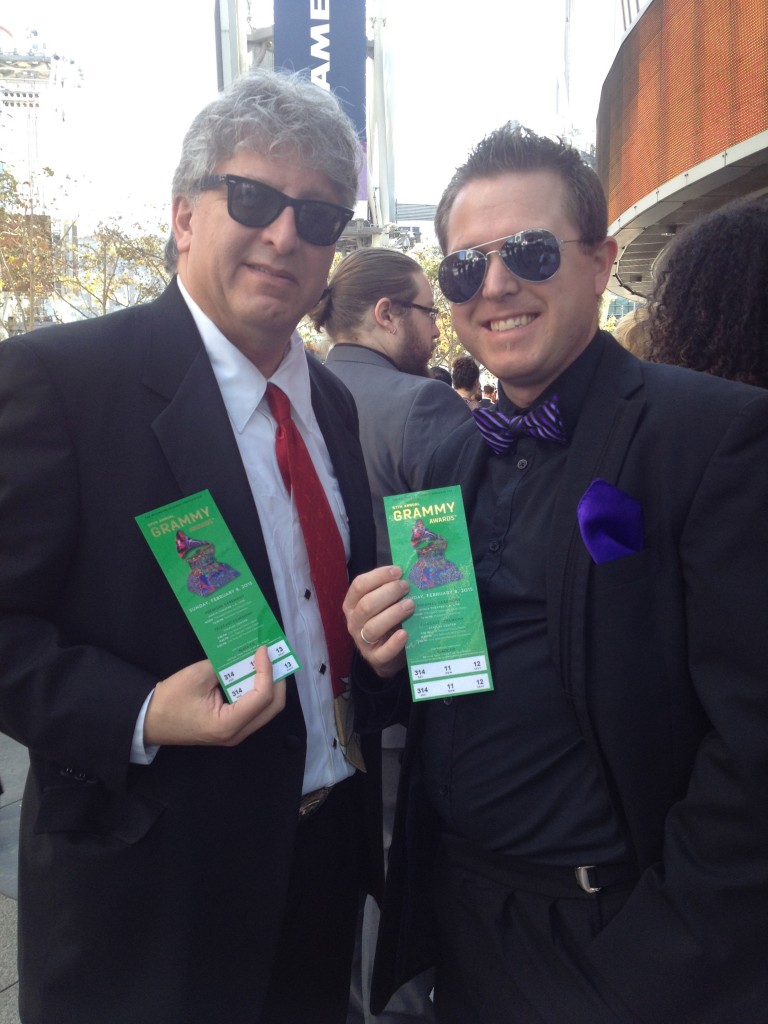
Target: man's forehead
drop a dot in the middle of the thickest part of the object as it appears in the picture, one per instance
(273, 166)
(493, 207)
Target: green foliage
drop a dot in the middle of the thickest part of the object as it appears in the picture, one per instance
(26, 246)
(44, 272)
(112, 268)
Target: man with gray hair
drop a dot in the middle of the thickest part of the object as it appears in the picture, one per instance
(184, 860)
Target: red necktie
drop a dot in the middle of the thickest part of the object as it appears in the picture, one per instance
(327, 560)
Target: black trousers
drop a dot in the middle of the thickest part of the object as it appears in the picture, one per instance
(310, 979)
(512, 944)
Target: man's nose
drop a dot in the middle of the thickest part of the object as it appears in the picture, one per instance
(498, 280)
(281, 232)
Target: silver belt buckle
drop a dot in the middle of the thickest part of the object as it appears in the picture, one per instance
(582, 877)
(312, 801)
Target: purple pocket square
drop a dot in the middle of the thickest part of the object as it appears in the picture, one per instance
(611, 522)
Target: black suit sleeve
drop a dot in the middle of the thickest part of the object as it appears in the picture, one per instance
(690, 944)
(71, 702)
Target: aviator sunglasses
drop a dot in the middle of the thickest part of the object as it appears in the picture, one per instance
(255, 205)
(531, 255)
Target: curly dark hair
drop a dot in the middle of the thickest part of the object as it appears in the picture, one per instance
(709, 310)
(465, 373)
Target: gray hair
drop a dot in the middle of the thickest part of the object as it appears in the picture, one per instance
(270, 113)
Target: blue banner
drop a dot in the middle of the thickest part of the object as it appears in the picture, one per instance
(327, 37)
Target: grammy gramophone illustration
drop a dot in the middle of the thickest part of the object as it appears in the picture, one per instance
(206, 574)
(432, 568)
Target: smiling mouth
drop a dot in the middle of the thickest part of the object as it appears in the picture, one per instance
(511, 322)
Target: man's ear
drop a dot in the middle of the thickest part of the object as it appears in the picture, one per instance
(383, 315)
(182, 209)
(604, 256)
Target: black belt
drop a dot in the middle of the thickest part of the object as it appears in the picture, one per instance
(548, 879)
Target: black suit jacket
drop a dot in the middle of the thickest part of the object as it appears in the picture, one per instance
(662, 654)
(163, 884)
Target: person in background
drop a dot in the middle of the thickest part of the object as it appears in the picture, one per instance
(709, 309)
(587, 842)
(632, 331)
(184, 860)
(440, 373)
(489, 396)
(378, 311)
(379, 315)
(465, 378)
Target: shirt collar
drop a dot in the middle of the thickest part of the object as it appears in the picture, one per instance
(242, 385)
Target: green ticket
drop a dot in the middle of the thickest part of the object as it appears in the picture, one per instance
(216, 589)
(446, 650)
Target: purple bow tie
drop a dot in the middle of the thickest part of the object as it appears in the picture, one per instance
(542, 421)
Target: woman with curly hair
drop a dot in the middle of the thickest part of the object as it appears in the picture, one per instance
(709, 310)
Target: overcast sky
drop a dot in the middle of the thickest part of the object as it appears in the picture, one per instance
(149, 66)
(464, 67)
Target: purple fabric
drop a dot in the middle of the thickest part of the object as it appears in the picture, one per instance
(501, 432)
(611, 522)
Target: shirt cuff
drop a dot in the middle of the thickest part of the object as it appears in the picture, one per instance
(140, 753)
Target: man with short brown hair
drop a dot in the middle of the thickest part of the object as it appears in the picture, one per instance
(588, 841)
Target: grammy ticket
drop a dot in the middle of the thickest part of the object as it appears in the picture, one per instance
(446, 650)
(220, 597)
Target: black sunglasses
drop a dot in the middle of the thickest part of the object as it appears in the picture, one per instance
(532, 255)
(254, 204)
(431, 312)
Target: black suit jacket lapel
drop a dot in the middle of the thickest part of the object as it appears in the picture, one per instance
(197, 440)
(195, 434)
(607, 423)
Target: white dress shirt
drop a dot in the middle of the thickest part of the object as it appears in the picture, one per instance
(243, 389)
